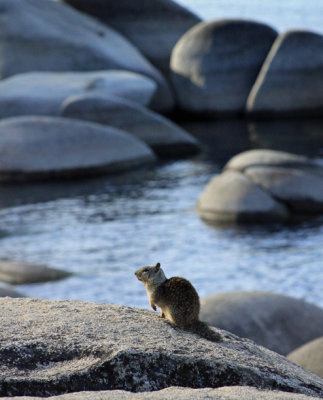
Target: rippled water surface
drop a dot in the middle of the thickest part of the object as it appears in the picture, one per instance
(104, 229)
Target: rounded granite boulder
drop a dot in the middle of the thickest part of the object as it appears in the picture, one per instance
(280, 323)
(263, 186)
(38, 35)
(290, 81)
(49, 147)
(41, 93)
(233, 197)
(163, 136)
(19, 273)
(310, 356)
(153, 27)
(215, 64)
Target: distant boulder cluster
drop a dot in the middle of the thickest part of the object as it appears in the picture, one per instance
(90, 84)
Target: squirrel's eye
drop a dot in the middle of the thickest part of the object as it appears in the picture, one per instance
(146, 270)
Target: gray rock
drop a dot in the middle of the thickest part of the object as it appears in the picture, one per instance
(153, 27)
(302, 191)
(179, 393)
(7, 291)
(54, 347)
(290, 81)
(17, 273)
(41, 93)
(166, 139)
(310, 356)
(215, 64)
(271, 158)
(233, 197)
(38, 35)
(280, 323)
(49, 147)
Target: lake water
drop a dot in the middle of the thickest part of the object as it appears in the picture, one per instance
(104, 229)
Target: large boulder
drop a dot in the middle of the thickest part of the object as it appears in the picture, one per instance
(18, 273)
(166, 139)
(41, 93)
(300, 190)
(49, 147)
(43, 35)
(215, 64)
(55, 347)
(233, 197)
(180, 393)
(263, 186)
(310, 356)
(153, 27)
(280, 323)
(290, 81)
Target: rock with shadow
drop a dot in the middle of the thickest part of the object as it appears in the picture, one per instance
(263, 186)
(55, 347)
(215, 64)
(166, 138)
(38, 35)
(41, 93)
(19, 273)
(280, 323)
(38, 148)
(290, 81)
(153, 27)
(309, 356)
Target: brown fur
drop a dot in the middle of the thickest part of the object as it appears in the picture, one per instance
(177, 299)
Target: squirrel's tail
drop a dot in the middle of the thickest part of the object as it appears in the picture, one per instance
(203, 329)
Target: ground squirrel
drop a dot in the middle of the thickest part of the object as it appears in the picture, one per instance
(177, 299)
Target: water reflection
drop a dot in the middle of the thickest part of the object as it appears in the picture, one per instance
(300, 136)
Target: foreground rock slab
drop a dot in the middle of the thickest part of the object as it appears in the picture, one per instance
(49, 147)
(166, 138)
(41, 93)
(290, 81)
(280, 323)
(54, 347)
(215, 64)
(178, 393)
(310, 356)
(144, 23)
(18, 273)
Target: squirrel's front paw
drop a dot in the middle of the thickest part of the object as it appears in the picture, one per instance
(153, 307)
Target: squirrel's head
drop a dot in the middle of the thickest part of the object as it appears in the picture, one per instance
(151, 275)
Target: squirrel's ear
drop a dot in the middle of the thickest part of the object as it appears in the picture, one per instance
(158, 266)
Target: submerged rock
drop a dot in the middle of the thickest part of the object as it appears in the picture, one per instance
(41, 93)
(310, 356)
(215, 64)
(49, 147)
(280, 323)
(180, 393)
(166, 138)
(55, 347)
(38, 35)
(290, 81)
(8, 291)
(18, 273)
(153, 27)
